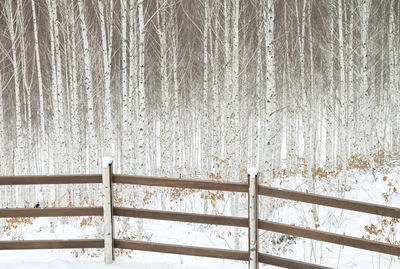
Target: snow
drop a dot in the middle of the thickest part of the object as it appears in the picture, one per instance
(50, 259)
(107, 161)
(364, 186)
(252, 171)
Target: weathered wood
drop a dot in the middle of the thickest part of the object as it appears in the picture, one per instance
(179, 216)
(330, 237)
(51, 244)
(55, 179)
(183, 250)
(180, 183)
(50, 212)
(108, 213)
(287, 263)
(330, 201)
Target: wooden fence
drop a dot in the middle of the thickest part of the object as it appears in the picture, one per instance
(107, 178)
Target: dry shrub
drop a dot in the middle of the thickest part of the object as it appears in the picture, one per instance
(358, 162)
(214, 197)
(392, 186)
(13, 223)
(384, 231)
(179, 193)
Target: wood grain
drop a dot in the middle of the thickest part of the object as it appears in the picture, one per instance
(287, 263)
(51, 212)
(183, 250)
(178, 216)
(56, 179)
(180, 183)
(330, 237)
(330, 201)
(51, 244)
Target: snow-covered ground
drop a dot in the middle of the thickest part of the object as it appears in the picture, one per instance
(359, 185)
(61, 259)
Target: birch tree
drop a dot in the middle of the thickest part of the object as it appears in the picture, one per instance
(25, 85)
(392, 74)
(141, 94)
(341, 109)
(75, 111)
(165, 139)
(365, 115)
(214, 59)
(58, 103)
(176, 113)
(126, 149)
(91, 133)
(20, 168)
(2, 135)
(43, 159)
(268, 16)
(233, 145)
(205, 119)
(350, 85)
(108, 123)
(133, 75)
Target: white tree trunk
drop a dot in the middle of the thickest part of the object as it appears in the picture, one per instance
(142, 105)
(329, 101)
(268, 16)
(3, 161)
(75, 112)
(126, 154)
(365, 111)
(352, 91)
(205, 120)
(20, 168)
(177, 128)
(217, 149)
(392, 76)
(342, 96)
(59, 125)
(257, 95)
(43, 147)
(91, 131)
(132, 92)
(108, 144)
(226, 106)
(2, 136)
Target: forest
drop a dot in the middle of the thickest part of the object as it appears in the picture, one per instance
(199, 89)
(181, 87)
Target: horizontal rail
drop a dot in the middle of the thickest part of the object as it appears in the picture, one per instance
(50, 212)
(181, 183)
(287, 263)
(51, 244)
(55, 179)
(178, 216)
(330, 201)
(329, 237)
(183, 250)
(211, 253)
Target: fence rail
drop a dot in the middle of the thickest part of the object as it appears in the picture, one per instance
(57, 179)
(51, 212)
(181, 217)
(107, 178)
(329, 237)
(180, 183)
(183, 250)
(51, 244)
(330, 201)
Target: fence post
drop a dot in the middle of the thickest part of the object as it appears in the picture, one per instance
(108, 210)
(253, 217)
